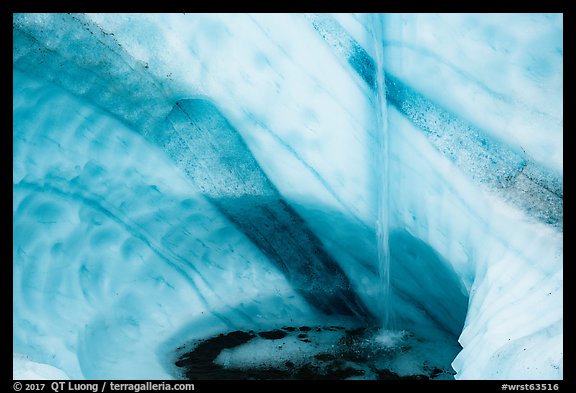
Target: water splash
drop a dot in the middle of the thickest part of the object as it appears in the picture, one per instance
(391, 338)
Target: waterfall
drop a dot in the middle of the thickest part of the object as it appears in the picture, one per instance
(381, 173)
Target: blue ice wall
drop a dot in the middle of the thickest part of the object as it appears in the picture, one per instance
(179, 175)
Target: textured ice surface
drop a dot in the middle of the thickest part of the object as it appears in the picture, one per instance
(123, 250)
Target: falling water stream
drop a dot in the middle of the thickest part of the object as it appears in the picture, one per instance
(381, 174)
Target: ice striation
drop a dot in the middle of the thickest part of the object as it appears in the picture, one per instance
(181, 176)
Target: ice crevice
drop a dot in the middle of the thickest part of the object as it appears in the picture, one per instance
(180, 177)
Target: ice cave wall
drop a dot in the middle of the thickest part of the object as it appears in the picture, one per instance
(107, 210)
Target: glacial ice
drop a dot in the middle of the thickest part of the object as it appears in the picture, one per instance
(176, 176)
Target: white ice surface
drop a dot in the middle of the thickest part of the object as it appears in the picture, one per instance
(505, 72)
(26, 369)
